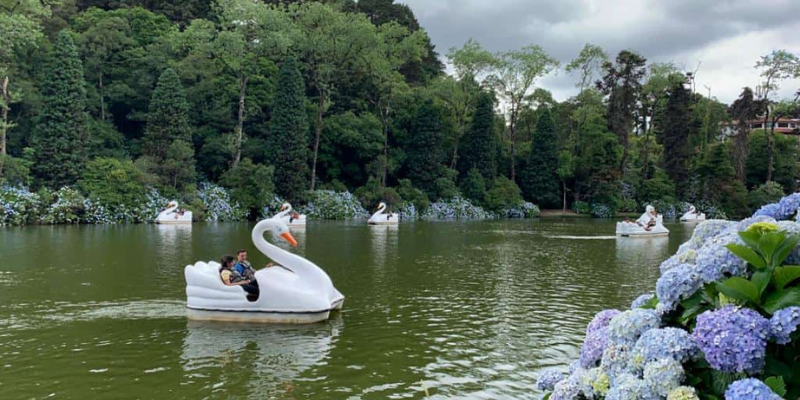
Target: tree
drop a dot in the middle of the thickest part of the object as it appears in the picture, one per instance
(251, 185)
(566, 171)
(541, 180)
(287, 143)
(622, 83)
(655, 92)
(330, 43)
(167, 118)
(424, 150)
(480, 143)
(588, 64)
(776, 66)
(60, 133)
(473, 187)
(514, 75)
(785, 170)
(674, 134)
(178, 169)
(20, 29)
(718, 181)
(743, 110)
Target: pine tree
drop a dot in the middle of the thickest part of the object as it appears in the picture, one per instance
(479, 144)
(168, 117)
(424, 155)
(673, 134)
(60, 133)
(287, 142)
(541, 181)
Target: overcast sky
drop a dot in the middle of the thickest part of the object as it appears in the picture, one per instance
(725, 37)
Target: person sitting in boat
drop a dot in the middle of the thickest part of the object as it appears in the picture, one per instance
(243, 267)
(231, 277)
(293, 216)
(648, 219)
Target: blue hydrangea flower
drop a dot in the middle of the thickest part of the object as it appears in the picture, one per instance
(787, 207)
(601, 320)
(665, 343)
(616, 360)
(567, 389)
(769, 210)
(663, 376)
(683, 393)
(548, 379)
(594, 382)
(626, 327)
(783, 323)
(642, 300)
(593, 347)
(715, 261)
(677, 284)
(628, 387)
(705, 231)
(750, 389)
(733, 339)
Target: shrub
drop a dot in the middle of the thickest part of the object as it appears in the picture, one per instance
(456, 208)
(326, 204)
(14, 171)
(413, 197)
(581, 207)
(504, 194)
(523, 210)
(446, 189)
(373, 193)
(767, 193)
(627, 205)
(18, 206)
(602, 211)
(218, 204)
(115, 184)
(473, 187)
(250, 185)
(67, 206)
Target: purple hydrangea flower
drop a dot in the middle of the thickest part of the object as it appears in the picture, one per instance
(548, 379)
(677, 284)
(628, 387)
(567, 389)
(601, 320)
(769, 210)
(616, 360)
(733, 339)
(642, 300)
(663, 376)
(593, 347)
(783, 323)
(788, 206)
(750, 389)
(715, 261)
(626, 327)
(665, 343)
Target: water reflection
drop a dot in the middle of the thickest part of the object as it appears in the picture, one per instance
(384, 240)
(262, 361)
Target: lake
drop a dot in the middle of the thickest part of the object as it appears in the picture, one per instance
(464, 310)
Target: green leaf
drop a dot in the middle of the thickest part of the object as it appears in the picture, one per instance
(782, 299)
(785, 275)
(650, 304)
(769, 242)
(777, 385)
(761, 279)
(547, 396)
(740, 289)
(747, 254)
(750, 238)
(784, 249)
(721, 380)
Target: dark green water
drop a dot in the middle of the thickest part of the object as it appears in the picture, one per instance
(464, 310)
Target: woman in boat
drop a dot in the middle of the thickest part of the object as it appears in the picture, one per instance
(231, 277)
(648, 219)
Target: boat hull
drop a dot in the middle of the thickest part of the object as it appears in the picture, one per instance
(175, 222)
(263, 317)
(626, 229)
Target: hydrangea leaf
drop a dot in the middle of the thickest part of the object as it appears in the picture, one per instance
(782, 299)
(740, 289)
(777, 385)
(785, 275)
(770, 242)
(784, 249)
(721, 380)
(750, 238)
(761, 279)
(747, 254)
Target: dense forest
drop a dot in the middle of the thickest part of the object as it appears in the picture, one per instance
(114, 99)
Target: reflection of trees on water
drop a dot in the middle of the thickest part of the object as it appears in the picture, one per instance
(173, 246)
(384, 239)
(255, 360)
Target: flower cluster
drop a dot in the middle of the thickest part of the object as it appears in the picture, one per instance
(628, 387)
(665, 344)
(602, 211)
(783, 323)
(733, 339)
(457, 208)
(627, 327)
(218, 204)
(683, 393)
(548, 379)
(677, 284)
(68, 208)
(601, 320)
(663, 376)
(642, 300)
(18, 206)
(523, 210)
(327, 204)
(593, 347)
(750, 389)
(715, 261)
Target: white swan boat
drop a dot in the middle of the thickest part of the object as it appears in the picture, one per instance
(639, 227)
(381, 218)
(693, 216)
(289, 218)
(171, 216)
(295, 292)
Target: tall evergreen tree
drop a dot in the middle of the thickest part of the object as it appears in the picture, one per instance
(287, 145)
(168, 117)
(480, 144)
(424, 154)
(673, 133)
(541, 181)
(60, 133)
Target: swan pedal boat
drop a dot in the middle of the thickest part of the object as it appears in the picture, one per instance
(381, 218)
(295, 292)
(631, 229)
(693, 216)
(170, 216)
(285, 215)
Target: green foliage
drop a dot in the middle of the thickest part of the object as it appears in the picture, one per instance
(60, 135)
(479, 146)
(767, 193)
(540, 180)
(424, 151)
(718, 181)
(288, 129)
(114, 183)
(673, 133)
(412, 195)
(785, 167)
(167, 119)
(658, 187)
(473, 187)
(373, 193)
(250, 185)
(14, 171)
(581, 207)
(503, 194)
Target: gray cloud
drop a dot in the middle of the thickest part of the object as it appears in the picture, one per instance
(684, 31)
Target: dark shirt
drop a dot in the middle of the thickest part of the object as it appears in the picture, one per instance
(244, 269)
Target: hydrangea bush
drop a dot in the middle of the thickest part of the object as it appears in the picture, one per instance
(722, 324)
(327, 204)
(457, 208)
(18, 206)
(68, 208)
(524, 210)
